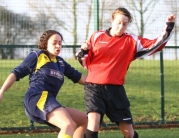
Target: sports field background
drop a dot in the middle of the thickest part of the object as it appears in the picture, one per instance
(151, 83)
(143, 86)
(144, 133)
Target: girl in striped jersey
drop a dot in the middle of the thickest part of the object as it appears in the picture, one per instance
(46, 72)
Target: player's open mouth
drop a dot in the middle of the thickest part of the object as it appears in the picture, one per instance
(57, 51)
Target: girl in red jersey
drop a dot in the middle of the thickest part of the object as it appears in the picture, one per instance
(109, 54)
(46, 72)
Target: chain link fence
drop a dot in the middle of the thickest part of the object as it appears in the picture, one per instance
(151, 83)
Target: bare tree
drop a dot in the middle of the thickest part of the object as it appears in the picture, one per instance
(141, 9)
(14, 29)
(57, 16)
(89, 18)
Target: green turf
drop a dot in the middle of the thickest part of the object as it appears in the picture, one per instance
(143, 133)
(142, 86)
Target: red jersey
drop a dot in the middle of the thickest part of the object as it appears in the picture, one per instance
(109, 57)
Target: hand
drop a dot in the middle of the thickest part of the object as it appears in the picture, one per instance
(171, 18)
(82, 80)
(84, 61)
(81, 58)
(86, 46)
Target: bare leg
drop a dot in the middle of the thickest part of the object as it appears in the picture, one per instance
(126, 129)
(60, 118)
(80, 118)
(93, 121)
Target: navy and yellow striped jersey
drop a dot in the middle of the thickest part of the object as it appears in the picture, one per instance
(45, 74)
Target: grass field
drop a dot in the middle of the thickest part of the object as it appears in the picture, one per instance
(143, 88)
(143, 133)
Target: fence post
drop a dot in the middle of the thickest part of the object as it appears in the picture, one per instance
(162, 88)
(96, 15)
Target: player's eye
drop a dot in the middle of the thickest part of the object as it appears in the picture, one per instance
(60, 44)
(124, 24)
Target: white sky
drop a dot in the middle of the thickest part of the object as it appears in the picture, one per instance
(18, 6)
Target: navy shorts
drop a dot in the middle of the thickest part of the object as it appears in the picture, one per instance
(110, 100)
(37, 105)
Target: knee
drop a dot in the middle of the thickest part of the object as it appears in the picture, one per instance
(93, 125)
(131, 135)
(93, 121)
(71, 125)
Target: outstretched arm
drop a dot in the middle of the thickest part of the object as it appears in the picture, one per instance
(7, 84)
(146, 47)
(25, 68)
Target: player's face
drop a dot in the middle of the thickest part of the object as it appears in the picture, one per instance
(119, 25)
(54, 45)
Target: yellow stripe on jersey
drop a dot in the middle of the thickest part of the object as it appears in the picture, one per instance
(54, 60)
(42, 100)
(42, 60)
(65, 136)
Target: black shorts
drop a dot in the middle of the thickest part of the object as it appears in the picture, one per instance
(110, 100)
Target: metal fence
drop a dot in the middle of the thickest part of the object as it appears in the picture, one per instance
(151, 85)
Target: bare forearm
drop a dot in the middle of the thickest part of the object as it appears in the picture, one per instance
(8, 82)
